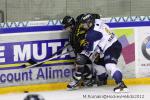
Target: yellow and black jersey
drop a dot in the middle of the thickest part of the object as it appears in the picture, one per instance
(77, 38)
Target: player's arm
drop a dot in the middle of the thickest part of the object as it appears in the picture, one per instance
(93, 37)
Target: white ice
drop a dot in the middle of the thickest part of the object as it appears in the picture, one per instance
(138, 92)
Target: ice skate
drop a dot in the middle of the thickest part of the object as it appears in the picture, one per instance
(74, 85)
(89, 83)
(121, 88)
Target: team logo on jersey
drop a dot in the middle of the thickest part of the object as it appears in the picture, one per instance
(146, 48)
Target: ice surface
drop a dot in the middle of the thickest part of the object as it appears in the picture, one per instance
(138, 92)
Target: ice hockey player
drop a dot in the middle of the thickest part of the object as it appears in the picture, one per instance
(101, 40)
(100, 73)
(70, 25)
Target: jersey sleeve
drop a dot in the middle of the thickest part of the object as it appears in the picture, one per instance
(92, 38)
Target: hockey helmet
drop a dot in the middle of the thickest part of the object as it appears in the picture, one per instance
(34, 97)
(87, 18)
(78, 18)
(68, 21)
(96, 16)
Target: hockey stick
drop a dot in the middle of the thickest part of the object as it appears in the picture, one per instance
(42, 62)
(32, 62)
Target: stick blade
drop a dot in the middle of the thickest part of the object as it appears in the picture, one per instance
(31, 61)
(24, 66)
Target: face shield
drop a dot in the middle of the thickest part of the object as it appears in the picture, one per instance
(87, 25)
(68, 28)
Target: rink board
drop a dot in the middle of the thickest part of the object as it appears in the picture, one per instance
(39, 40)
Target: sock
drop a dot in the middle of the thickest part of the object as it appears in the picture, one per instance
(117, 77)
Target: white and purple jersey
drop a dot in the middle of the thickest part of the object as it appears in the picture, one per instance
(100, 38)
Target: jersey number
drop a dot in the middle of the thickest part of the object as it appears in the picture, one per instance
(112, 35)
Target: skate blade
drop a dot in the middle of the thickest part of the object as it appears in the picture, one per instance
(72, 89)
(125, 90)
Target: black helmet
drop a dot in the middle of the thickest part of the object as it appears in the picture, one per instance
(96, 16)
(78, 18)
(34, 97)
(87, 18)
(68, 21)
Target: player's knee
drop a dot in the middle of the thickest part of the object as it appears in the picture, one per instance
(87, 72)
(82, 71)
(78, 74)
(112, 68)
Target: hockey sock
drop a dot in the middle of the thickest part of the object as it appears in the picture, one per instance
(117, 77)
